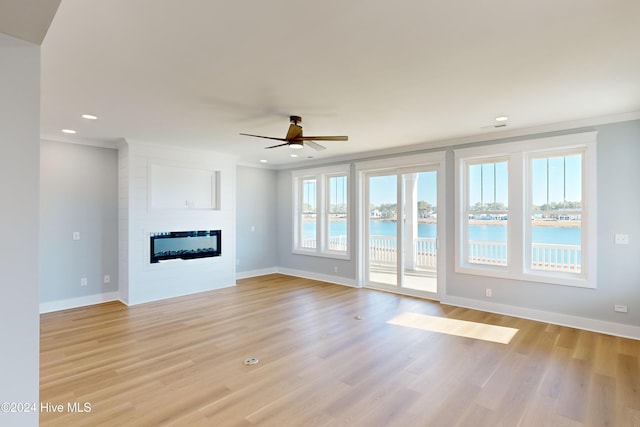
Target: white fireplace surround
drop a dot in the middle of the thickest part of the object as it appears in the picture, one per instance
(166, 188)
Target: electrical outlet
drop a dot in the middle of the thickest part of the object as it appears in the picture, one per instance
(335, 269)
(76, 235)
(620, 308)
(107, 278)
(622, 239)
(488, 292)
(84, 281)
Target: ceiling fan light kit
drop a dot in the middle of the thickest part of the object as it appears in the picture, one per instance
(296, 145)
(296, 140)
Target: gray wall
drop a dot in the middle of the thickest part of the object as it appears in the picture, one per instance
(618, 266)
(78, 192)
(306, 263)
(19, 143)
(256, 207)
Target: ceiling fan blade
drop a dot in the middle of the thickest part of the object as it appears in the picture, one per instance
(266, 137)
(279, 145)
(315, 146)
(322, 138)
(295, 131)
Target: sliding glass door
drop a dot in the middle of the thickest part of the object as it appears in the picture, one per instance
(401, 230)
(382, 229)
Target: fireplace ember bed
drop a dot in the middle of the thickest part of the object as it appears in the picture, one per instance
(185, 245)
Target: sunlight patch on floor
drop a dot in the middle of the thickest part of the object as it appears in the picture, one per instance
(461, 328)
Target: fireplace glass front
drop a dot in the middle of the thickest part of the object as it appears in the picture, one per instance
(176, 245)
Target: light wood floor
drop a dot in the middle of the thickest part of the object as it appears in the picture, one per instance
(180, 362)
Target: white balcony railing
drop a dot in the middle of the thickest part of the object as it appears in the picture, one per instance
(544, 256)
(336, 243)
(308, 242)
(382, 251)
(426, 251)
(488, 253)
(551, 257)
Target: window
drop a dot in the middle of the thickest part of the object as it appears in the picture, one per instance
(321, 211)
(337, 213)
(308, 216)
(555, 209)
(527, 210)
(487, 210)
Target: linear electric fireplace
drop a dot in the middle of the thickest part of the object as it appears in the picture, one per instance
(173, 245)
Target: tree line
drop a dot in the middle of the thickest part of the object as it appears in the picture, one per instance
(501, 207)
(387, 210)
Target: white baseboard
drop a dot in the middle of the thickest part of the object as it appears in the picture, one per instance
(611, 328)
(594, 325)
(64, 304)
(317, 276)
(254, 273)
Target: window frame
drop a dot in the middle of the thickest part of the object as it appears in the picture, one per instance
(322, 177)
(519, 232)
(301, 212)
(538, 154)
(328, 213)
(465, 207)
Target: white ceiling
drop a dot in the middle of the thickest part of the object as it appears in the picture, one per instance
(195, 73)
(27, 19)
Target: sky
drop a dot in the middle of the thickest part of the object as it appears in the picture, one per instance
(383, 188)
(562, 170)
(488, 183)
(337, 189)
(554, 179)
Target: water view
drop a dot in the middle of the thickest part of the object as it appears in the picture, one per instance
(490, 233)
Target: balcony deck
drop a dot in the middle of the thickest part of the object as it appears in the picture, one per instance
(419, 280)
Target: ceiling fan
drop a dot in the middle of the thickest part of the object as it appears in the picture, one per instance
(295, 140)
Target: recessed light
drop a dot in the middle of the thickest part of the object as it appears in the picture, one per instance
(263, 161)
(89, 116)
(502, 119)
(68, 131)
(294, 155)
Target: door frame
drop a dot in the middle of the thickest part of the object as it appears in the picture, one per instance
(399, 165)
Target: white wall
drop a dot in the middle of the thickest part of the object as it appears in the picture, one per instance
(139, 217)
(19, 170)
(78, 193)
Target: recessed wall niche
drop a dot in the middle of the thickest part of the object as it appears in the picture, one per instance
(180, 187)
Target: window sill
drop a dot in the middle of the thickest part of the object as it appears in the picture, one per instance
(327, 254)
(552, 278)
